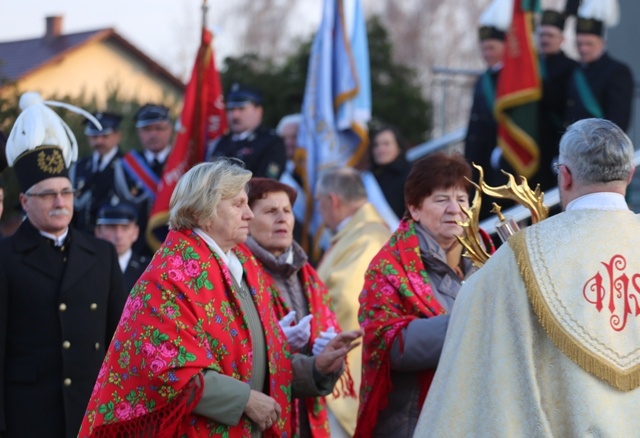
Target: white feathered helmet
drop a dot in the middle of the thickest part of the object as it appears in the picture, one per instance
(41, 145)
(496, 20)
(595, 16)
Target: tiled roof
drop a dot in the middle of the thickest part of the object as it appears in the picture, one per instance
(19, 58)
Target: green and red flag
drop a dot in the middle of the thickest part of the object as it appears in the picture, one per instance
(203, 119)
(518, 91)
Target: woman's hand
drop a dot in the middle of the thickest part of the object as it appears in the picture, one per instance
(332, 357)
(262, 410)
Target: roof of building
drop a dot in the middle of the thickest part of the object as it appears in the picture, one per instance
(20, 58)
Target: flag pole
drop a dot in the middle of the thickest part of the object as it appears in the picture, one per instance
(205, 8)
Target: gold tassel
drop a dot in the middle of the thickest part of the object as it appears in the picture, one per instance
(585, 359)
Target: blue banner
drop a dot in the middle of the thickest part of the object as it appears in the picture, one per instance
(337, 99)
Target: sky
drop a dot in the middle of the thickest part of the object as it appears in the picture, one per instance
(166, 30)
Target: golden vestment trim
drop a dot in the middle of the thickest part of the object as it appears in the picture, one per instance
(623, 380)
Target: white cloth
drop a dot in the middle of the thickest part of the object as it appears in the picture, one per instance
(228, 258)
(503, 373)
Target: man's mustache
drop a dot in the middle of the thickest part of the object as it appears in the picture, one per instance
(59, 212)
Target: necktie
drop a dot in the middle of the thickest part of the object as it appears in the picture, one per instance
(156, 166)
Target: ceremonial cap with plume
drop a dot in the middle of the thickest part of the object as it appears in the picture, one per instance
(41, 145)
(595, 16)
(495, 20)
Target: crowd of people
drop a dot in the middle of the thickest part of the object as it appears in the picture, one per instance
(230, 329)
(595, 85)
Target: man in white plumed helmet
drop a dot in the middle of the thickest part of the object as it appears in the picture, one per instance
(61, 292)
(481, 142)
(602, 86)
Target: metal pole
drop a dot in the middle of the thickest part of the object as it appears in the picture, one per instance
(205, 8)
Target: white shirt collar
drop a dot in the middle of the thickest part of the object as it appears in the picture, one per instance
(229, 258)
(123, 260)
(160, 156)
(598, 201)
(58, 240)
(243, 135)
(106, 159)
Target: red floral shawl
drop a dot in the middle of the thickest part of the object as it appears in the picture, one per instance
(323, 318)
(183, 316)
(396, 291)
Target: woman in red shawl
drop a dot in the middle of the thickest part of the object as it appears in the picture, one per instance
(409, 291)
(198, 351)
(303, 303)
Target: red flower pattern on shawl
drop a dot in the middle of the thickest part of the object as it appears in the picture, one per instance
(396, 291)
(323, 317)
(183, 316)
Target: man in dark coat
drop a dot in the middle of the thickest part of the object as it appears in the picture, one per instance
(260, 148)
(556, 69)
(117, 223)
(61, 293)
(481, 142)
(602, 87)
(92, 176)
(138, 173)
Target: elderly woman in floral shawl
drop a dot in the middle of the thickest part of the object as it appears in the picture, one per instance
(409, 290)
(199, 351)
(302, 301)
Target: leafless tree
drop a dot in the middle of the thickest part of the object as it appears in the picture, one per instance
(437, 38)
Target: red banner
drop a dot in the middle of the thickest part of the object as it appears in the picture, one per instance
(517, 93)
(203, 119)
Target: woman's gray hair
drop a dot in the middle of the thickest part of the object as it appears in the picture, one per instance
(200, 190)
(291, 119)
(596, 151)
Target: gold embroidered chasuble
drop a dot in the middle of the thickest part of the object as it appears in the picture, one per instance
(544, 340)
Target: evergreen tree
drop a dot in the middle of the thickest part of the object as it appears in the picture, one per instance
(396, 96)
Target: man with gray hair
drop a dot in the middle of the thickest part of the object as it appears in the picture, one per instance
(543, 340)
(359, 233)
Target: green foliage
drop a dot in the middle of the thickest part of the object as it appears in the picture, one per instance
(396, 96)
(282, 87)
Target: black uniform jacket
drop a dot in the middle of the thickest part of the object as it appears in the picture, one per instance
(93, 189)
(56, 322)
(391, 179)
(136, 266)
(611, 83)
(262, 152)
(129, 188)
(558, 69)
(482, 136)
